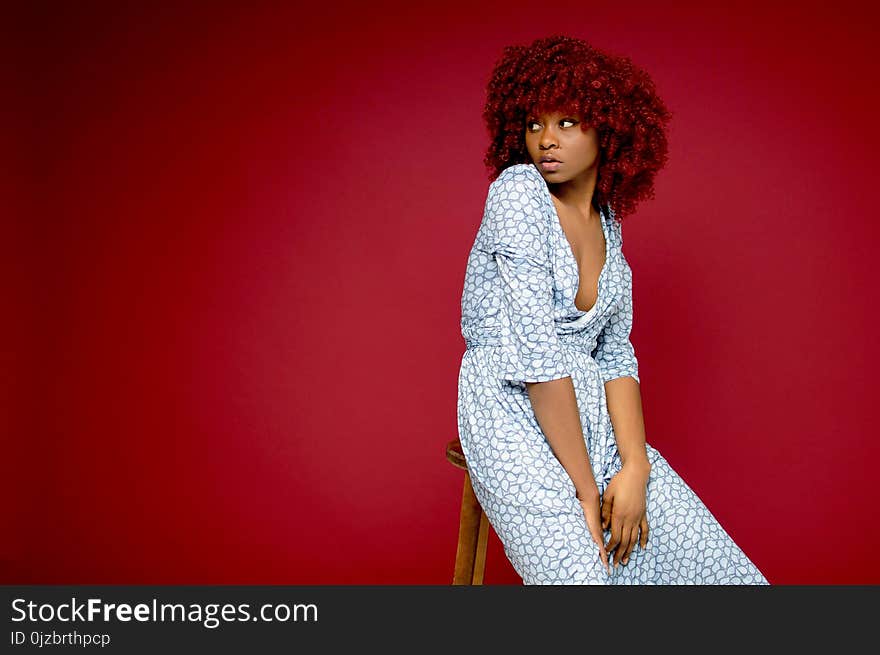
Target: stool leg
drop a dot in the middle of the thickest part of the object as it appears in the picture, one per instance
(469, 534)
(482, 541)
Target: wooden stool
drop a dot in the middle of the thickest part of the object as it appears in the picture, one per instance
(473, 527)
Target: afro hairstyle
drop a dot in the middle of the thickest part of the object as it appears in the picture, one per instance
(566, 74)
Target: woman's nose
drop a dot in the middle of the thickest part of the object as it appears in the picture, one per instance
(548, 138)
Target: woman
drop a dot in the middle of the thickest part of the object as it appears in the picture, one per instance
(549, 406)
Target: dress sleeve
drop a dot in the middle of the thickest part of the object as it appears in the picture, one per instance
(614, 350)
(517, 237)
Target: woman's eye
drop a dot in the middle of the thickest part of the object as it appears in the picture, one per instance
(530, 124)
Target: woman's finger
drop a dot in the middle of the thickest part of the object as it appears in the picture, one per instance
(644, 528)
(616, 531)
(591, 514)
(607, 502)
(633, 539)
(624, 544)
(603, 556)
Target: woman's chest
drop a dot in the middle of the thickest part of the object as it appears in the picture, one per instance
(589, 251)
(613, 281)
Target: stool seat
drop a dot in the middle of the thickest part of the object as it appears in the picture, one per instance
(455, 454)
(473, 526)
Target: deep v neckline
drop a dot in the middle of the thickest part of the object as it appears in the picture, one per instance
(577, 266)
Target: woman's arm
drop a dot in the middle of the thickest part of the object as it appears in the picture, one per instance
(555, 406)
(515, 224)
(624, 500)
(624, 399)
(619, 368)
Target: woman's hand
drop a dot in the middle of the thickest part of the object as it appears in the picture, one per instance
(624, 509)
(590, 505)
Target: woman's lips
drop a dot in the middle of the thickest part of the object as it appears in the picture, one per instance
(550, 165)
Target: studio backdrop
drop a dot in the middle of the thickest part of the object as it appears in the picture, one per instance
(235, 254)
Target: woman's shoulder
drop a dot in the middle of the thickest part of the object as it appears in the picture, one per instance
(524, 176)
(516, 213)
(519, 186)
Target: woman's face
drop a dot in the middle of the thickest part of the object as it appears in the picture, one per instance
(560, 136)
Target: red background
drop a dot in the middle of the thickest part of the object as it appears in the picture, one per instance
(239, 268)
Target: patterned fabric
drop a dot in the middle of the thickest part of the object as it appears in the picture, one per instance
(520, 324)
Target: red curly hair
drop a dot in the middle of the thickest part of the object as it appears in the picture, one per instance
(560, 73)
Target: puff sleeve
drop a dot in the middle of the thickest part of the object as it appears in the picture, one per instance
(614, 350)
(516, 229)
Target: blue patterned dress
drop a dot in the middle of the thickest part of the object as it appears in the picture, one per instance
(520, 324)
